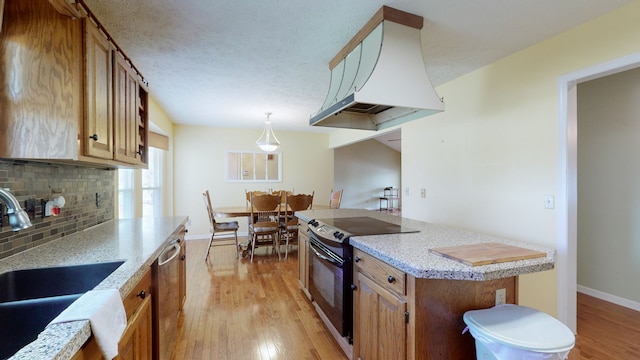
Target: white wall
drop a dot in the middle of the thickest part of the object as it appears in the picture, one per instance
(363, 170)
(488, 159)
(199, 163)
(608, 184)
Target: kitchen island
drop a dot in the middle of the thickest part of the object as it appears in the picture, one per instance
(408, 302)
(137, 242)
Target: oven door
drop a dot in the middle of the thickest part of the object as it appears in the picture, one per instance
(326, 284)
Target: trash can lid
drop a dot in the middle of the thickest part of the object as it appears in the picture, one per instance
(521, 327)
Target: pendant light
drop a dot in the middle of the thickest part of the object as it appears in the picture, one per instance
(268, 141)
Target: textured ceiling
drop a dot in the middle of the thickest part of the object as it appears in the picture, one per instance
(227, 62)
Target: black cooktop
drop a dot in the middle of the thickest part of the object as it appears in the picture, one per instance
(365, 226)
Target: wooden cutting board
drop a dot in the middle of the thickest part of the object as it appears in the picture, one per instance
(486, 253)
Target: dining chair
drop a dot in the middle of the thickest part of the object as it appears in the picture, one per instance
(335, 199)
(283, 194)
(264, 227)
(218, 228)
(289, 228)
(247, 194)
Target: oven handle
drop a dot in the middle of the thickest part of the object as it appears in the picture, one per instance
(325, 258)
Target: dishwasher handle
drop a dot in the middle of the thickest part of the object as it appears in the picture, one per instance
(168, 249)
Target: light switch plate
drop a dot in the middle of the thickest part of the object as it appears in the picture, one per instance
(549, 201)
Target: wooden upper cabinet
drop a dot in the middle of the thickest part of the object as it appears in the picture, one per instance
(98, 107)
(40, 82)
(143, 123)
(67, 92)
(125, 98)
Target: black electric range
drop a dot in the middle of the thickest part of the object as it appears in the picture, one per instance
(331, 264)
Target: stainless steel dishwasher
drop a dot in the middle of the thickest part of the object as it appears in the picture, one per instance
(167, 270)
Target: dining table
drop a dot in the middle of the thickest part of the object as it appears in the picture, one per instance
(244, 211)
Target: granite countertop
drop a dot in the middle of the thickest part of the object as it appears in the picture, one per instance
(137, 241)
(409, 252)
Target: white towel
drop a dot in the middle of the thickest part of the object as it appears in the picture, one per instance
(105, 311)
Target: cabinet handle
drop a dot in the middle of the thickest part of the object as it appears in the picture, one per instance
(356, 259)
(353, 287)
(142, 294)
(183, 257)
(391, 279)
(94, 137)
(139, 152)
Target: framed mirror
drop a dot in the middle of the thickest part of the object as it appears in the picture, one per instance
(252, 166)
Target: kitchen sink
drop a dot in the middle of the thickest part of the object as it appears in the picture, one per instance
(31, 298)
(53, 281)
(23, 320)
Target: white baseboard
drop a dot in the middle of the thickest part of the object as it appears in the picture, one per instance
(633, 305)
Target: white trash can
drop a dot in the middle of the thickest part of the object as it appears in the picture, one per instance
(514, 332)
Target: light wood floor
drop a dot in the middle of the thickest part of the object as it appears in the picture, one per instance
(606, 331)
(237, 310)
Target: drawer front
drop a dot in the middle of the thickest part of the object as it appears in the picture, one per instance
(382, 273)
(135, 298)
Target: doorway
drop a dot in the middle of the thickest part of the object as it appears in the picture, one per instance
(567, 192)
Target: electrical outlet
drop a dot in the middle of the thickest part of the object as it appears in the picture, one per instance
(423, 193)
(549, 202)
(30, 205)
(501, 296)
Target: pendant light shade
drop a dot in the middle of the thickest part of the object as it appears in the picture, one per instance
(268, 141)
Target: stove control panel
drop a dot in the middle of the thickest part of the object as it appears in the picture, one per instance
(326, 230)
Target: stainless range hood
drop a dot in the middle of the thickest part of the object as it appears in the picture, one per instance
(379, 79)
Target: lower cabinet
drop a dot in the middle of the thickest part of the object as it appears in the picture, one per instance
(303, 258)
(379, 324)
(182, 293)
(137, 339)
(398, 316)
(380, 308)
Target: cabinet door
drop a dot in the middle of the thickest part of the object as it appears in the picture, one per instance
(303, 262)
(98, 120)
(125, 97)
(136, 342)
(40, 82)
(380, 328)
(182, 294)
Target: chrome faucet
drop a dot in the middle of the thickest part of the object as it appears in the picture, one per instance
(18, 218)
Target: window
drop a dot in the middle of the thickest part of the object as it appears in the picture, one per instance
(152, 184)
(126, 207)
(245, 166)
(140, 193)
